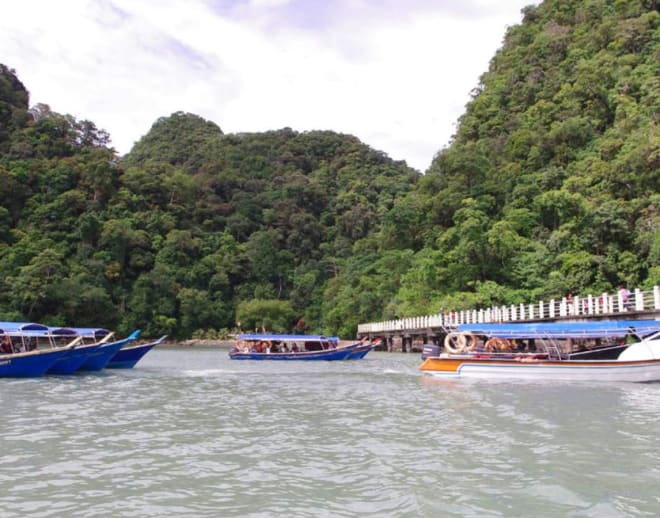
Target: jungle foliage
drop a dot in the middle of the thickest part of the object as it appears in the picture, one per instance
(549, 186)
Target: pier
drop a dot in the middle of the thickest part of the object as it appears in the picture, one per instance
(409, 334)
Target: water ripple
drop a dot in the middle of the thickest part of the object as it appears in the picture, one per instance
(189, 433)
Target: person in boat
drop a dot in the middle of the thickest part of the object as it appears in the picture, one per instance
(284, 348)
(294, 348)
(274, 348)
(6, 346)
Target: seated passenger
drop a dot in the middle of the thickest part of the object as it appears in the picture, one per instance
(6, 345)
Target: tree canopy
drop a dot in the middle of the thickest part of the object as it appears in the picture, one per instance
(550, 186)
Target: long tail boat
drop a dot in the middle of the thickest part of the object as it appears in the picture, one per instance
(275, 347)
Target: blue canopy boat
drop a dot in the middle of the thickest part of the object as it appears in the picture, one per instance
(290, 347)
(19, 356)
(363, 349)
(127, 357)
(102, 357)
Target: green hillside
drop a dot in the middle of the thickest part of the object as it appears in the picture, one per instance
(550, 186)
(190, 232)
(551, 183)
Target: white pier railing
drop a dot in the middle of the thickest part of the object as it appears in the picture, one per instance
(567, 307)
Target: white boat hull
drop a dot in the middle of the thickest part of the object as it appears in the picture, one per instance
(569, 370)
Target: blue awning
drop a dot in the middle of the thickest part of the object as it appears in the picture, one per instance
(12, 327)
(587, 329)
(287, 338)
(94, 332)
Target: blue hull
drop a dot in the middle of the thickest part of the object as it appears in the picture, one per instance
(127, 357)
(324, 355)
(363, 349)
(29, 365)
(73, 361)
(360, 352)
(100, 359)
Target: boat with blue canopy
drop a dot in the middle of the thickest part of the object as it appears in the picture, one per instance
(611, 350)
(102, 356)
(282, 347)
(127, 357)
(19, 355)
(364, 348)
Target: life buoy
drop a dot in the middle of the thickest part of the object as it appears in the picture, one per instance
(455, 343)
(471, 342)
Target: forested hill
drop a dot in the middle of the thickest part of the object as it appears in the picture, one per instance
(189, 232)
(551, 183)
(550, 186)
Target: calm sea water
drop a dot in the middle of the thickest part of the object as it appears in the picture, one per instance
(190, 433)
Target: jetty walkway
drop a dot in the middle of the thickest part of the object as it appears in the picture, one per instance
(408, 334)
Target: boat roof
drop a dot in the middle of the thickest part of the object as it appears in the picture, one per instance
(35, 329)
(12, 327)
(79, 331)
(287, 338)
(590, 329)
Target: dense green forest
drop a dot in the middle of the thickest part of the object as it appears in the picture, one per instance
(550, 186)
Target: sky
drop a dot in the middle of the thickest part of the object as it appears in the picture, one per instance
(397, 74)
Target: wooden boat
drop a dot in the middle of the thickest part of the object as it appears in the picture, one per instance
(580, 351)
(127, 357)
(101, 358)
(19, 356)
(363, 349)
(290, 347)
(87, 347)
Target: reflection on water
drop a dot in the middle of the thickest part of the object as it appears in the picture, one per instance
(190, 433)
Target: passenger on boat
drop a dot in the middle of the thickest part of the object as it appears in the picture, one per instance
(6, 346)
(294, 348)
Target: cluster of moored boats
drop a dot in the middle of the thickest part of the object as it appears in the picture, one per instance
(612, 350)
(609, 350)
(31, 350)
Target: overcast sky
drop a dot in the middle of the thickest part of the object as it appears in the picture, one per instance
(395, 73)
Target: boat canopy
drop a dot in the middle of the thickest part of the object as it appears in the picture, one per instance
(591, 329)
(79, 331)
(13, 327)
(288, 338)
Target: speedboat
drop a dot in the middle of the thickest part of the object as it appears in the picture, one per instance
(581, 351)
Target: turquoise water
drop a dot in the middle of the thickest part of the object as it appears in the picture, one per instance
(190, 433)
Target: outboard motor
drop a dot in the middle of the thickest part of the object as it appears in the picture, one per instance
(429, 350)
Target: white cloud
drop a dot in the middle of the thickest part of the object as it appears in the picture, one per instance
(396, 80)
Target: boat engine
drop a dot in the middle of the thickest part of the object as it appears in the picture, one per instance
(429, 350)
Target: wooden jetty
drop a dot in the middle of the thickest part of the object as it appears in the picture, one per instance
(409, 334)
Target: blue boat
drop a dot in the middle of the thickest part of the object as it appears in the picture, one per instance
(101, 358)
(276, 347)
(127, 357)
(29, 364)
(80, 352)
(363, 349)
(19, 356)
